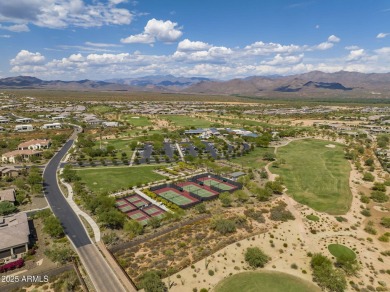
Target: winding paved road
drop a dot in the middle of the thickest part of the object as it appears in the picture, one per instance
(97, 268)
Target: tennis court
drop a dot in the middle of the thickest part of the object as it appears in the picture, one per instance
(197, 189)
(153, 211)
(139, 216)
(137, 200)
(175, 196)
(127, 208)
(210, 181)
(121, 202)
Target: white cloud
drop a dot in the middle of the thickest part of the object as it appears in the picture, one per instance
(101, 45)
(333, 39)
(261, 48)
(317, 26)
(25, 57)
(196, 58)
(141, 38)
(187, 45)
(350, 48)
(382, 35)
(15, 27)
(156, 30)
(284, 60)
(5, 36)
(63, 13)
(324, 46)
(356, 55)
(383, 51)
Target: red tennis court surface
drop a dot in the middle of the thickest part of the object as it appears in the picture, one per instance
(138, 215)
(153, 211)
(138, 208)
(137, 200)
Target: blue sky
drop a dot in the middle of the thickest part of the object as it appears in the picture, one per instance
(103, 39)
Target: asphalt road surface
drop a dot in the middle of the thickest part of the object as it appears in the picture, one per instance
(99, 271)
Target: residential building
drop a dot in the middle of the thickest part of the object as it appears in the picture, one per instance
(9, 171)
(12, 156)
(24, 128)
(7, 195)
(35, 144)
(52, 126)
(23, 120)
(15, 236)
(110, 124)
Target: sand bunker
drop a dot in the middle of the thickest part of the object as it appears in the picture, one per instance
(381, 209)
(330, 146)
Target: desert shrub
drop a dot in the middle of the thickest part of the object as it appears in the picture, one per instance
(255, 257)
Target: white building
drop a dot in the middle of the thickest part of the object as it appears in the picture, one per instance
(52, 126)
(110, 124)
(24, 128)
(23, 120)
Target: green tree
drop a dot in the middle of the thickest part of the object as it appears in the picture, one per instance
(275, 186)
(60, 255)
(325, 275)
(225, 199)
(151, 282)
(154, 222)
(368, 176)
(133, 227)
(269, 156)
(111, 218)
(379, 197)
(385, 221)
(255, 257)
(69, 174)
(6, 208)
(53, 227)
(241, 196)
(201, 208)
(223, 226)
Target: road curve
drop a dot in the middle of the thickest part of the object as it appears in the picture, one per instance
(97, 268)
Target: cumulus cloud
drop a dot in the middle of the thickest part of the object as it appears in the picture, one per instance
(196, 58)
(63, 13)
(187, 45)
(280, 60)
(355, 55)
(25, 57)
(15, 27)
(382, 35)
(156, 30)
(324, 46)
(333, 39)
(261, 48)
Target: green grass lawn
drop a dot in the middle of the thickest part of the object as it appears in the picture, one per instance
(186, 121)
(313, 218)
(120, 146)
(253, 159)
(100, 109)
(338, 250)
(316, 175)
(112, 179)
(264, 281)
(137, 121)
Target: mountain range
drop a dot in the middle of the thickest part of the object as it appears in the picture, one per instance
(312, 83)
